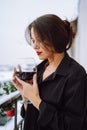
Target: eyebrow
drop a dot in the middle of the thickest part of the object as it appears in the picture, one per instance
(37, 37)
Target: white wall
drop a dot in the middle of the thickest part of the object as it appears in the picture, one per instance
(15, 15)
(81, 42)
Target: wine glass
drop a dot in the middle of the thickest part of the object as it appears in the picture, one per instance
(26, 68)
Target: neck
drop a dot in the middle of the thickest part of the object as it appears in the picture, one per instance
(55, 59)
(52, 64)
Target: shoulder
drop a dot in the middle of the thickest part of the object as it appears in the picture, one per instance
(75, 68)
(70, 67)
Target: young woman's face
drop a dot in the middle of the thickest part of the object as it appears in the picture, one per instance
(43, 51)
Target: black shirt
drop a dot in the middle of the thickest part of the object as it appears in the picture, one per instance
(63, 98)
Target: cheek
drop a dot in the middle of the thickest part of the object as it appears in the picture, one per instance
(47, 54)
(44, 55)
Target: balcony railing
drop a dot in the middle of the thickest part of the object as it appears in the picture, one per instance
(16, 123)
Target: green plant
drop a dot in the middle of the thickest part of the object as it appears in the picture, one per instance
(2, 112)
(8, 87)
(8, 110)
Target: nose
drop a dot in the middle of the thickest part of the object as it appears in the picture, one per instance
(35, 45)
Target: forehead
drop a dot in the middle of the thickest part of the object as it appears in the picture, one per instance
(33, 33)
(45, 45)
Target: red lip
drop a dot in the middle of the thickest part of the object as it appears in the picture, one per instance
(38, 52)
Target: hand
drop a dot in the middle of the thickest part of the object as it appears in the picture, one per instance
(28, 90)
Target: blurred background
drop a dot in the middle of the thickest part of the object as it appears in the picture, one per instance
(15, 15)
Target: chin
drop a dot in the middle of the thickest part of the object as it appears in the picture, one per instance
(42, 58)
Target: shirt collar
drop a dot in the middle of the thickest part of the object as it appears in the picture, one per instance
(63, 67)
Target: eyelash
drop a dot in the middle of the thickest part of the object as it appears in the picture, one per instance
(33, 41)
(38, 41)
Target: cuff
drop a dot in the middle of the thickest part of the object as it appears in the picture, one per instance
(46, 112)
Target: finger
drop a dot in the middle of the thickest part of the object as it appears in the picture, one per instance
(17, 84)
(19, 67)
(20, 81)
(14, 73)
(15, 81)
(19, 88)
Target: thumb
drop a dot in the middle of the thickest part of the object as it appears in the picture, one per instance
(20, 81)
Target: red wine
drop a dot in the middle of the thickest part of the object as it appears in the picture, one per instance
(25, 75)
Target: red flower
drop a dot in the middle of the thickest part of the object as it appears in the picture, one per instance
(11, 112)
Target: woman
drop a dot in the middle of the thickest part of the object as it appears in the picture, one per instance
(57, 91)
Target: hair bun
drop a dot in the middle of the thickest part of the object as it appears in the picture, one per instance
(69, 32)
(67, 26)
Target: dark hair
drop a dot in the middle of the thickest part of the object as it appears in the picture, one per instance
(54, 30)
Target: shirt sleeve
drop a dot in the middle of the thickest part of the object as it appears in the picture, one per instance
(70, 117)
(74, 102)
(47, 110)
(47, 116)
